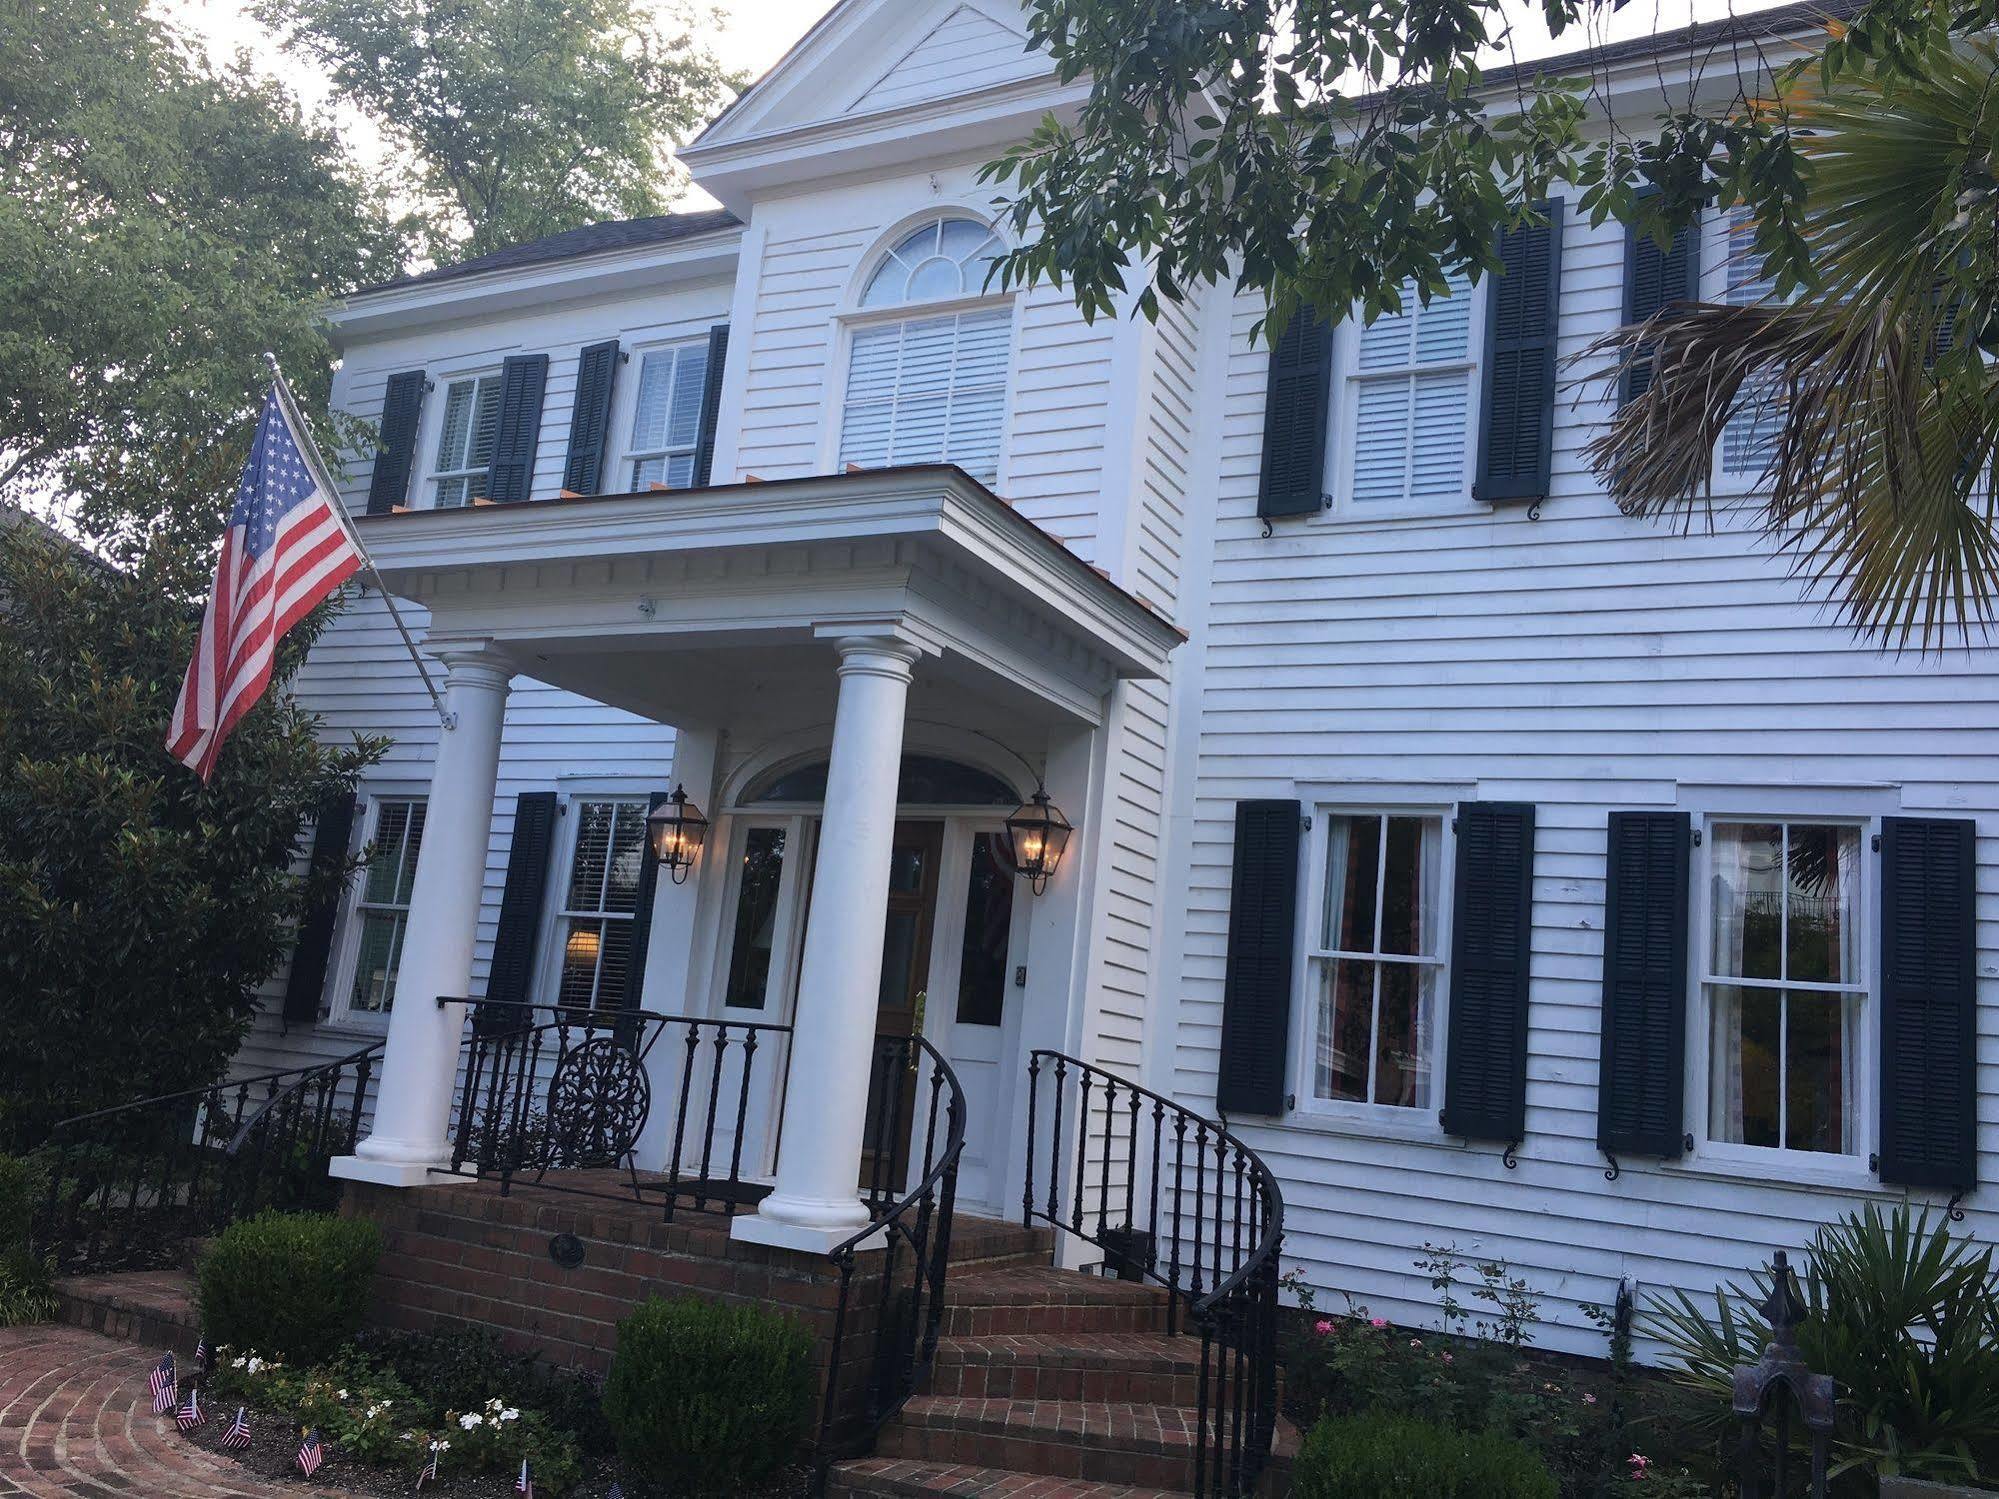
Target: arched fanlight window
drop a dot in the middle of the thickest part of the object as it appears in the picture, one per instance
(930, 387)
(945, 258)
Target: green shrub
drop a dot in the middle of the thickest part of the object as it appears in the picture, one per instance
(293, 1285)
(709, 1399)
(1905, 1319)
(1368, 1457)
(464, 1367)
(25, 1291)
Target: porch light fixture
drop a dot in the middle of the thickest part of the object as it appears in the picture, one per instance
(674, 829)
(1036, 834)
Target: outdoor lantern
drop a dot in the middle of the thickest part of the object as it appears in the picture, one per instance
(675, 830)
(1036, 834)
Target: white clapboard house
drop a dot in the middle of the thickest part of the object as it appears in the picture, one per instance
(1508, 872)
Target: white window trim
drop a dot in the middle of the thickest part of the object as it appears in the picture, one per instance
(1849, 1170)
(424, 472)
(625, 406)
(1389, 1121)
(347, 946)
(554, 914)
(788, 933)
(1714, 230)
(1343, 418)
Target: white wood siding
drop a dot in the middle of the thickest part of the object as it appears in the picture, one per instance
(965, 51)
(1582, 662)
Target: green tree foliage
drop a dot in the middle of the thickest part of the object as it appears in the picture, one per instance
(162, 223)
(139, 909)
(523, 117)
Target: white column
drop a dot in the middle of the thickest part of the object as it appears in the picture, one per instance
(420, 1065)
(816, 1202)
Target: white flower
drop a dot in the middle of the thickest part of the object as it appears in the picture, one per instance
(444, 1446)
(342, 1394)
(237, 1362)
(471, 1419)
(510, 1414)
(494, 1404)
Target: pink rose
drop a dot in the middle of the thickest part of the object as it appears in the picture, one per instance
(1589, 1400)
(1377, 1322)
(1323, 1327)
(1638, 1464)
(1448, 1359)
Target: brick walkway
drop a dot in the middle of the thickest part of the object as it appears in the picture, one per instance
(75, 1418)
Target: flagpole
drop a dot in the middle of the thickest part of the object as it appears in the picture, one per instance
(324, 478)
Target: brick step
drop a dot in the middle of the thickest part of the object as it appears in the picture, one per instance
(979, 1244)
(1148, 1446)
(1141, 1367)
(911, 1478)
(1038, 1298)
(153, 1308)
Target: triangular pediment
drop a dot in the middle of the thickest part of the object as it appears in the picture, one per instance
(869, 58)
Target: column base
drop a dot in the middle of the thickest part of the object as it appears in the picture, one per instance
(355, 1168)
(754, 1228)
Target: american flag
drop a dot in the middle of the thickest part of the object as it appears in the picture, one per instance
(524, 1484)
(287, 548)
(189, 1415)
(617, 1492)
(238, 1434)
(429, 1468)
(201, 1355)
(310, 1453)
(161, 1383)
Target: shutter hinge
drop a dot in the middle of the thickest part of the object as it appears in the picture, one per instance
(1953, 1209)
(1687, 1143)
(1305, 823)
(1507, 1158)
(1454, 826)
(1291, 1102)
(1615, 1170)
(1875, 841)
(1697, 837)
(1874, 1161)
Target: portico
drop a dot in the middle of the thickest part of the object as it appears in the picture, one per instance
(842, 622)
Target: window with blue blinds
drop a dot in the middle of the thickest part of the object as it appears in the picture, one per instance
(1409, 402)
(929, 390)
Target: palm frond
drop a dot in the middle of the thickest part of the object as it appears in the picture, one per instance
(1880, 485)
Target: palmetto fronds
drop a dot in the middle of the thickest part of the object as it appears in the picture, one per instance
(1880, 481)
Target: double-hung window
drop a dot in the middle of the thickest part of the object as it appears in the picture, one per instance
(1376, 958)
(1407, 403)
(930, 388)
(666, 418)
(1784, 976)
(465, 440)
(382, 903)
(599, 899)
(1749, 441)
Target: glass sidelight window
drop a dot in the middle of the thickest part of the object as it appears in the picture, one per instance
(982, 964)
(1376, 964)
(748, 984)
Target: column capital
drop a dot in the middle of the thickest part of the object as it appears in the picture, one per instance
(477, 662)
(883, 655)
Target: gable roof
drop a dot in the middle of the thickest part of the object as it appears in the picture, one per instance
(572, 244)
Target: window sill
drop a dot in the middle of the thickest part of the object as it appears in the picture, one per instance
(359, 1030)
(1840, 1174)
(1420, 1128)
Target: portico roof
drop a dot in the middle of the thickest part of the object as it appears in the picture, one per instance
(733, 579)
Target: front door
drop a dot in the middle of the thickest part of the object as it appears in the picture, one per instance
(911, 919)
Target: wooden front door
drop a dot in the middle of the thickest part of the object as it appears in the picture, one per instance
(911, 917)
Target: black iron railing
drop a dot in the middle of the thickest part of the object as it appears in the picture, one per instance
(891, 1300)
(129, 1187)
(1173, 1198)
(1781, 1385)
(549, 1088)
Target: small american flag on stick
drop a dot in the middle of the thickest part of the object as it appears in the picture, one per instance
(311, 1453)
(524, 1484)
(237, 1437)
(287, 547)
(189, 1415)
(201, 1355)
(161, 1382)
(429, 1468)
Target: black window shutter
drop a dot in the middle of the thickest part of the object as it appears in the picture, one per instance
(1517, 410)
(1929, 1050)
(641, 924)
(1485, 1082)
(711, 404)
(590, 418)
(1642, 1077)
(1655, 279)
(511, 976)
(1296, 407)
(306, 985)
(395, 450)
(523, 377)
(1256, 988)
